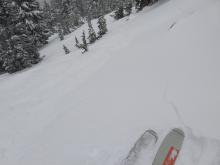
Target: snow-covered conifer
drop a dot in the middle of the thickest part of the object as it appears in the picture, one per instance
(65, 13)
(140, 4)
(32, 16)
(61, 11)
(48, 17)
(18, 49)
(84, 45)
(20, 54)
(67, 51)
(102, 26)
(128, 8)
(60, 33)
(77, 42)
(92, 35)
(119, 13)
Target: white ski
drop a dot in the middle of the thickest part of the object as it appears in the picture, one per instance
(170, 148)
(146, 141)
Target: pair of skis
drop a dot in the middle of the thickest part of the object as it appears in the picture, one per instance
(167, 153)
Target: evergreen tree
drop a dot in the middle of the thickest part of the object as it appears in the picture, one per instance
(75, 10)
(119, 13)
(151, 2)
(77, 43)
(81, 6)
(32, 16)
(48, 17)
(102, 26)
(1, 56)
(60, 33)
(144, 3)
(18, 49)
(84, 45)
(128, 8)
(65, 13)
(67, 51)
(61, 11)
(74, 17)
(20, 54)
(91, 6)
(137, 4)
(41, 34)
(92, 35)
(140, 4)
(114, 4)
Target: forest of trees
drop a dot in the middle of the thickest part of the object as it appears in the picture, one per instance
(25, 26)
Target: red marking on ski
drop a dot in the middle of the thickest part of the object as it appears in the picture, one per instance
(171, 156)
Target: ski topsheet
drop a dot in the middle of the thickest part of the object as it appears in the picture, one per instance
(145, 142)
(170, 148)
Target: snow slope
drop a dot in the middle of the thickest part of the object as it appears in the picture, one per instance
(156, 69)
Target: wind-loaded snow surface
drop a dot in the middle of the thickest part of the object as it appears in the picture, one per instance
(157, 69)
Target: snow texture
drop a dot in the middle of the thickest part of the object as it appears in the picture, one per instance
(157, 69)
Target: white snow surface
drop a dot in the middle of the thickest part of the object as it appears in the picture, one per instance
(157, 69)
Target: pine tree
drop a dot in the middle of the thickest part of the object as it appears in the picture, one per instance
(61, 12)
(18, 49)
(77, 43)
(65, 13)
(91, 6)
(119, 13)
(48, 17)
(103, 7)
(114, 4)
(32, 16)
(84, 45)
(81, 6)
(1, 56)
(137, 4)
(128, 8)
(60, 33)
(92, 35)
(140, 4)
(20, 54)
(102, 26)
(67, 51)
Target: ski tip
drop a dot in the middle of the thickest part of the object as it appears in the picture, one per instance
(152, 132)
(179, 131)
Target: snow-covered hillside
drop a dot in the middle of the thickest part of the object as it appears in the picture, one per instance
(157, 69)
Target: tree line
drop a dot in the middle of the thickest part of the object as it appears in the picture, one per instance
(25, 26)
